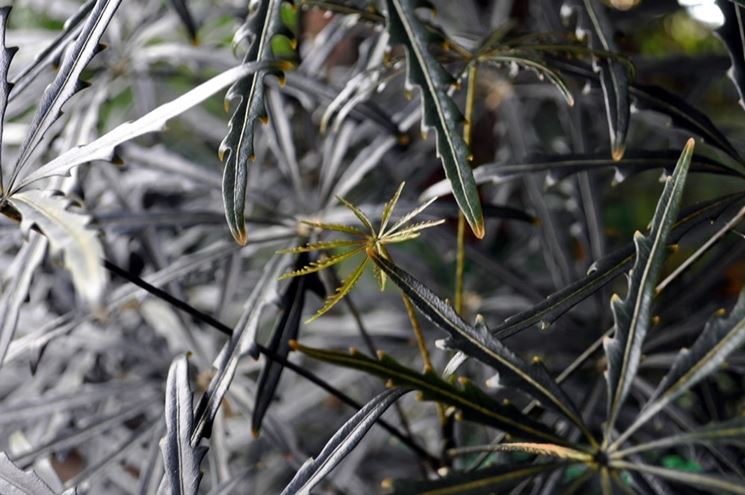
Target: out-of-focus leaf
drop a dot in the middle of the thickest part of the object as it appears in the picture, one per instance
(286, 329)
(527, 60)
(732, 33)
(14, 481)
(655, 98)
(709, 483)
(720, 337)
(67, 82)
(481, 482)
(592, 21)
(6, 56)
(533, 380)
(53, 50)
(103, 147)
(15, 289)
(732, 431)
(632, 315)
(182, 10)
(68, 233)
(314, 470)
(240, 343)
(474, 404)
(438, 108)
(264, 25)
(560, 167)
(181, 460)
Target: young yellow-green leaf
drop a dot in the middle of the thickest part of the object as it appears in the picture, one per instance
(632, 315)
(316, 266)
(335, 227)
(439, 111)
(388, 209)
(542, 449)
(264, 26)
(413, 230)
(288, 12)
(407, 217)
(69, 234)
(342, 291)
(358, 213)
(320, 246)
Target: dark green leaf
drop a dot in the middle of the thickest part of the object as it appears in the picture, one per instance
(720, 337)
(655, 98)
(439, 111)
(473, 403)
(286, 329)
(183, 12)
(614, 78)
(632, 315)
(263, 24)
(481, 345)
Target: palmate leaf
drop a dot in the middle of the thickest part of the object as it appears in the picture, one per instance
(342, 443)
(6, 56)
(732, 33)
(720, 337)
(632, 316)
(473, 403)
(317, 266)
(614, 78)
(14, 481)
(68, 234)
(481, 482)
(67, 82)
(341, 291)
(103, 147)
(533, 380)
(265, 26)
(180, 459)
(439, 111)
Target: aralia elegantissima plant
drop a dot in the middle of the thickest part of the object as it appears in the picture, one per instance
(183, 186)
